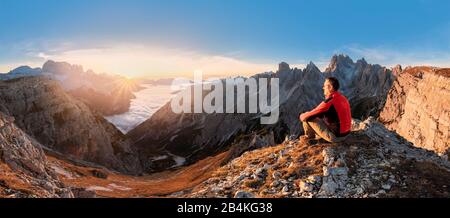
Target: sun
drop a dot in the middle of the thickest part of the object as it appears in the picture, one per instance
(124, 86)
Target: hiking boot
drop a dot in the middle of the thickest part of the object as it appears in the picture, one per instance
(308, 140)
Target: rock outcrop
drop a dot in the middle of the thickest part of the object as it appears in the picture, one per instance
(418, 108)
(44, 111)
(24, 170)
(373, 162)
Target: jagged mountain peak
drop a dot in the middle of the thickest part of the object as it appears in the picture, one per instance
(312, 68)
(283, 66)
(61, 67)
(362, 61)
(339, 61)
(397, 69)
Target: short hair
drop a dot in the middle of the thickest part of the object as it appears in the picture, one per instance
(334, 82)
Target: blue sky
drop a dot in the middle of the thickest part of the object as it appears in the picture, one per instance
(167, 38)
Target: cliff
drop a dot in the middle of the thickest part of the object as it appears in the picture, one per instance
(417, 108)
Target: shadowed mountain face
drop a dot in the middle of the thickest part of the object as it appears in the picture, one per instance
(108, 94)
(196, 136)
(58, 121)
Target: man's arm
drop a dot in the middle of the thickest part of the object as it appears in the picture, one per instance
(321, 108)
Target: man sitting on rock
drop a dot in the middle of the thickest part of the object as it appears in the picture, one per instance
(331, 119)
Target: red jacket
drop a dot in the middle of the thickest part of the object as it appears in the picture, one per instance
(336, 110)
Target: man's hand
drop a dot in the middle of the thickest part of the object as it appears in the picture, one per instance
(302, 117)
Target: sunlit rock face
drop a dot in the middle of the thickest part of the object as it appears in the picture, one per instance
(60, 122)
(417, 107)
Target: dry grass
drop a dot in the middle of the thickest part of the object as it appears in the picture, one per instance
(154, 185)
(427, 69)
(10, 180)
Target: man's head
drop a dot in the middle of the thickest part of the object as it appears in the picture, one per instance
(331, 84)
